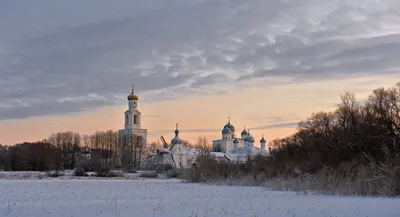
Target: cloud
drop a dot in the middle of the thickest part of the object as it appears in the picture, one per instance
(262, 119)
(274, 126)
(56, 56)
(209, 79)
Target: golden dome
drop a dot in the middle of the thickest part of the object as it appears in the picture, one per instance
(133, 96)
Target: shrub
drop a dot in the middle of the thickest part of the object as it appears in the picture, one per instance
(149, 174)
(172, 173)
(79, 171)
(348, 178)
(106, 172)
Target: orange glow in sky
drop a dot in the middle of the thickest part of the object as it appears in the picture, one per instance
(269, 110)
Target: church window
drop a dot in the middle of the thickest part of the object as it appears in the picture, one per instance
(135, 119)
(126, 119)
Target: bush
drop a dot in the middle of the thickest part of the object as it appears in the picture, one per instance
(106, 172)
(149, 174)
(79, 171)
(348, 178)
(173, 173)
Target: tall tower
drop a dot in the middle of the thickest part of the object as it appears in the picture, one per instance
(132, 115)
(132, 140)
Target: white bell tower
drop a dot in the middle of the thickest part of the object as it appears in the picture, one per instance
(132, 115)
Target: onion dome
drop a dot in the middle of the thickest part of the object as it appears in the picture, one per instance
(133, 96)
(263, 140)
(251, 139)
(230, 126)
(176, 139)
(244, 132)
(235, 141)
(226, 130)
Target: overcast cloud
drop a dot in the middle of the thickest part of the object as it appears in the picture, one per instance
(68, 56)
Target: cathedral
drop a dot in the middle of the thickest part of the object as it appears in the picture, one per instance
(228, 147)
(229, 143)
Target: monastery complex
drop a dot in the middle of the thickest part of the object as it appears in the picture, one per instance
(229, 146)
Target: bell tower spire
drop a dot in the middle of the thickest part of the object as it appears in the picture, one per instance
(132, 115)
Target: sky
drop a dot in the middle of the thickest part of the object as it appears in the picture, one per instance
(69, 65)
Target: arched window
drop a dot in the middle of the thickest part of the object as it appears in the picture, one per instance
(135, 119)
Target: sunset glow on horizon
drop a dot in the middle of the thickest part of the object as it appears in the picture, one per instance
(274, 113)
(265, 64)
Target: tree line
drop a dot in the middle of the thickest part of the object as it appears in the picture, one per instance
(68, 150)
(354, 149)
(357, 131)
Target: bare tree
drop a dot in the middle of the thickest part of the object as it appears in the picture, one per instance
(152, 147)
(204, 147)
(203, 144)
(86, 142)
(126, 151)
(69, 145)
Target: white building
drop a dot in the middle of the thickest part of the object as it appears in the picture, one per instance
(235, 148)
(229, 147)
(184, 157)
(133, 119)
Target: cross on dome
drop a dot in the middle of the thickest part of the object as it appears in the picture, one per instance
(176, 130)
(133, 96)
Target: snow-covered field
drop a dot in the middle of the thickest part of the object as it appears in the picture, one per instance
(156, 197)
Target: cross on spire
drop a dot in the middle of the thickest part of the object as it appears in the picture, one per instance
(133, 88)
(229, 119)
(176, 131)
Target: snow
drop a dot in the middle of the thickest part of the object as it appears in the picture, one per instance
(172, 198)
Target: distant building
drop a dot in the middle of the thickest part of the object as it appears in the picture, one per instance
(237, 148)
(184, 156)
(228, 148)
(132, 129)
